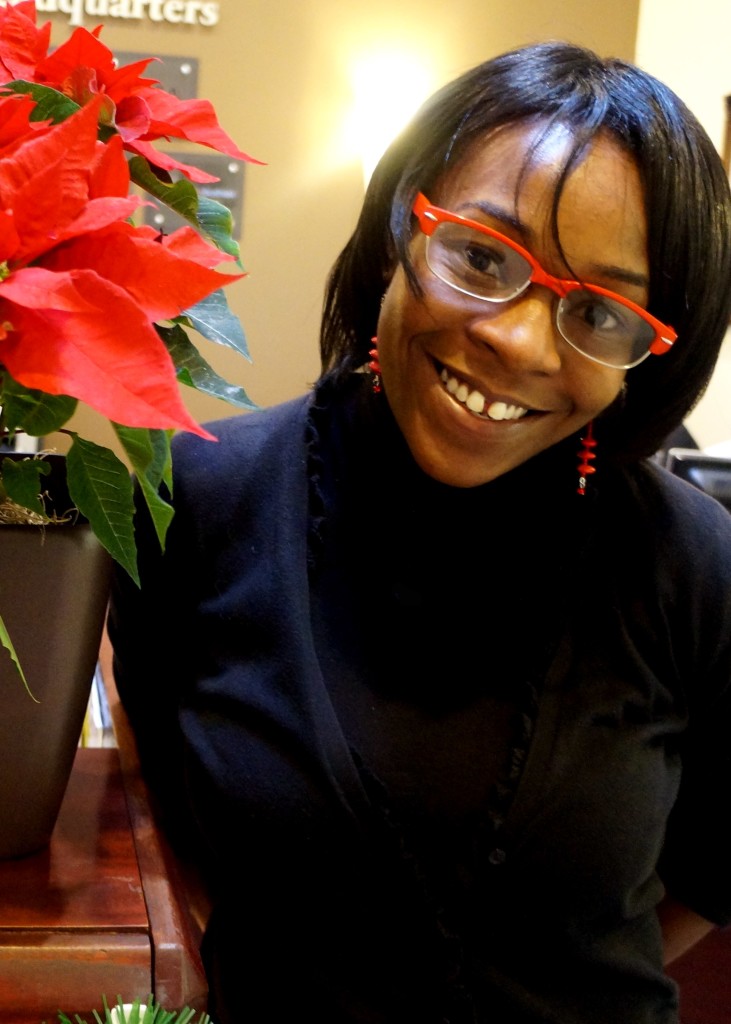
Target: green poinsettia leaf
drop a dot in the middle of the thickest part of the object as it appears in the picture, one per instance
(212, 318)
(21, 479)
(7, 643)
(51, 105)
(193, 370)
(149, 454)
(100, 486)
(148, 451)
(33, 411)
(216, 223)
(212, 219)
(180, 196)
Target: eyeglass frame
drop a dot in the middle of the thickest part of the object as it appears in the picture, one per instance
(430, 217)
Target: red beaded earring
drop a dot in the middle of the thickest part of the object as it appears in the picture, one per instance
(586, 457)
(375, 367)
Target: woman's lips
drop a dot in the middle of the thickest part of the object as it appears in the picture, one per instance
(476, 402)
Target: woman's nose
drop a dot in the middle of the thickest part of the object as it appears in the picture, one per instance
(522, 332)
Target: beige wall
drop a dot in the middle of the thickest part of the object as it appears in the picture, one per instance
(690, 49)
(278, 74)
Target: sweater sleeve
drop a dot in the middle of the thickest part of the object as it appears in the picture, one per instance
(152, 633)
(165, 635)
(695, 543)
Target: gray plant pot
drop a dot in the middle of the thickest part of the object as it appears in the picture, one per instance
(54, 585)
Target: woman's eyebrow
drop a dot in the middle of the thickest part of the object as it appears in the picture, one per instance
(497, 213)
(621, 274)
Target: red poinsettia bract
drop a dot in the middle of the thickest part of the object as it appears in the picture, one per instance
(22, 44)
(81, 287)
(83, 68)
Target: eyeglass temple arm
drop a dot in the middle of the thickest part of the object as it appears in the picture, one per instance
(427, 220)
(662, 345)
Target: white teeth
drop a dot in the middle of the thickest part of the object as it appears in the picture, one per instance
(475, 401)
(498, 411)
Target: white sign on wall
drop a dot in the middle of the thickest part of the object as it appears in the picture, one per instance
(176, 12)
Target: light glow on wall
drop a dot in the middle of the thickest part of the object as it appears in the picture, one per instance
(388, 87)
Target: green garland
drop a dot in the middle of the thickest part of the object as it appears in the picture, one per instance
(137, 1013)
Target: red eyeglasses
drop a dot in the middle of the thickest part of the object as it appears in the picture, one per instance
(478, 261)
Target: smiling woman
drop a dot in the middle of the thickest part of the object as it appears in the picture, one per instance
(472, 725)
(509, 353)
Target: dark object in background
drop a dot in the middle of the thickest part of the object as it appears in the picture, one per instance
(709, 473)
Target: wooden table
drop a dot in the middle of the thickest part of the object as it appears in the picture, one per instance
(101, 910)
(704, 976)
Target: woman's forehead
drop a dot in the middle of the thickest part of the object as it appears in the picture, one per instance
(529, 178)
(531, 162)
(507, 156)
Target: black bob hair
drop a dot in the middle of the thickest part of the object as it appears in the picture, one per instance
(687, 204)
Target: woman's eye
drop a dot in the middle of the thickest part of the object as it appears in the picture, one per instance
(599, 316)
(483, 259)
(469, 259)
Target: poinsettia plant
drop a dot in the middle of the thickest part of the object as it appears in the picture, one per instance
(96, 307)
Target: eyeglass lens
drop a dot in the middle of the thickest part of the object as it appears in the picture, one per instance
(482, 266)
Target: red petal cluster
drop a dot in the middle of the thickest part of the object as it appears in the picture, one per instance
(83, 68)
(80, 286)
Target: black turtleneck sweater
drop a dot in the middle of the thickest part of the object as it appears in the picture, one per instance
(443, 747)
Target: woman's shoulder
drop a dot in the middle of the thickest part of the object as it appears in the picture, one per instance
(685, 532)
(665, 546)
(255, 457)
(675, 504)
(243, 439)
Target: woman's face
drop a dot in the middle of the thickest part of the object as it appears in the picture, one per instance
(511, 353)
